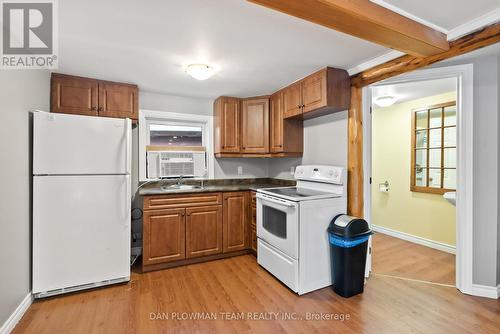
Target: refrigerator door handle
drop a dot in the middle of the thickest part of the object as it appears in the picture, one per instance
(128, 129)
(128, 200)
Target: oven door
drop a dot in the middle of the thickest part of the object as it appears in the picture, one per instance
(278, 223)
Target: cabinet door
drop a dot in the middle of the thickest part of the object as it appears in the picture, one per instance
(164, 236)
(255, 134)
(235, 221)
(118, 100)
(276, 123)
(73, 95)
(229, 125)
(314, 91)
(292, 100)
(203, 231)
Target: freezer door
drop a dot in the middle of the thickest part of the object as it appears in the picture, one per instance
(74, 144)
(81, 230)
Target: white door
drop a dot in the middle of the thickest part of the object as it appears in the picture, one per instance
(278, 223)
(81, 230)
(73, 144)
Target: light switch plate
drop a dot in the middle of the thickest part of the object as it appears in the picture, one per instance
(240, 170)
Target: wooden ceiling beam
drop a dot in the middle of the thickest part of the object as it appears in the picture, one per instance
(487, 36)
(366, 20)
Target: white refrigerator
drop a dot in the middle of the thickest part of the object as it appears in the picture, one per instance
(81, 202)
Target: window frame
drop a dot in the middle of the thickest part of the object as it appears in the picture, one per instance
(146, 117)
(427, 188)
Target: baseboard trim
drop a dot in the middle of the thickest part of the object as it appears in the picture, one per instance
(485, 291)
(417, 240)
(14, 318)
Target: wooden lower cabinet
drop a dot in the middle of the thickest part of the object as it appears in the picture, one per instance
(235, 221)
(180, 229)
(164, 234)
(203, 231)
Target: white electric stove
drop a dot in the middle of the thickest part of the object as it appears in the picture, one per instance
(292, 226)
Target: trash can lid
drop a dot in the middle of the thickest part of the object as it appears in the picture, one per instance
(349, 227)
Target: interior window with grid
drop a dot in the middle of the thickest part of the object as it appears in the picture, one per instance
(434, 149)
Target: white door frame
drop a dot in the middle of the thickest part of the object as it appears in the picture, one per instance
(464, 207)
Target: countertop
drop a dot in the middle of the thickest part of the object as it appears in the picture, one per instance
(214, 185)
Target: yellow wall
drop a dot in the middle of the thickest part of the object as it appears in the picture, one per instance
(424, 215)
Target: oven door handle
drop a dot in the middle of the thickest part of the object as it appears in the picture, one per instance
(276, 201)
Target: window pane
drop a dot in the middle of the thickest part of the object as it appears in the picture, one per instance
(420, 158)
(435, 158)
(435, 138)
(450, 158)
(421, 120)
(435, 178)
(450, 136)
(450, 115)
(175, 135)
(421, 139)
(435, 120)
(450, 179)
(421, 177)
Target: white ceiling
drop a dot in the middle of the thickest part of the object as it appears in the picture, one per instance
(415, 90)
(148, 42)
(257, 50)
(447, 14)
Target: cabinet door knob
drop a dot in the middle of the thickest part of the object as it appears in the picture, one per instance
(99, 109)
(93, 108)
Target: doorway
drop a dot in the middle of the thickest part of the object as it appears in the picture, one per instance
(406, 248)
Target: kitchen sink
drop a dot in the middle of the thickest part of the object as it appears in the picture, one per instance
(179, 187)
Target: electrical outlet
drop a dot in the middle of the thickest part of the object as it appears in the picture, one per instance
(240, 170)
(292, 170)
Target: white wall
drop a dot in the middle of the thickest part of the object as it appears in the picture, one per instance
(21, 91)
(498, 186)
(325, 142)
(486, 167)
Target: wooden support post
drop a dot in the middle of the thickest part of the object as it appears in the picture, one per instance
(355, 155)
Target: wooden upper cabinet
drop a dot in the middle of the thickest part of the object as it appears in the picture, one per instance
(314, 91)
(292, 100)
(164, 236)
(286, 135)
(85, 96)
(118, 100)
(255, 125)
(324, 92)
(203, 231)
(74, 95)
(227, 124)
(235, 221)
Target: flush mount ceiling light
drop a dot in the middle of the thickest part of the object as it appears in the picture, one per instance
(200, 71)
(385, 101)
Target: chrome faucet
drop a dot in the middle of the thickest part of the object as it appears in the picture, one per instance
(179, 180)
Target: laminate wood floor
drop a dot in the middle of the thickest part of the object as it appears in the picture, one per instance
(238, 287)
(395, 257)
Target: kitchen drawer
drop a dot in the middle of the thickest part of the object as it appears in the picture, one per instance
(184, 200)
